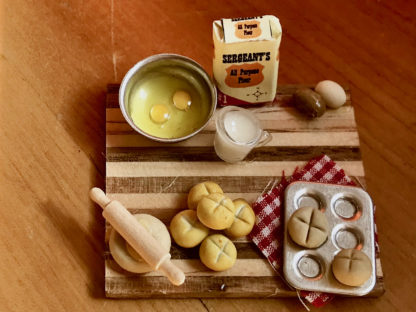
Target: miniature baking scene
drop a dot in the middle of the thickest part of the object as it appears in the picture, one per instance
(233, 185)
(207, 156)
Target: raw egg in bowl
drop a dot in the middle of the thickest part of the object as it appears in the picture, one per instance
(167, 97)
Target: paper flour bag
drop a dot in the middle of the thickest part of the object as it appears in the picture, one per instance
(246, 59)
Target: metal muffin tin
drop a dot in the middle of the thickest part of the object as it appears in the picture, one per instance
(349, 211)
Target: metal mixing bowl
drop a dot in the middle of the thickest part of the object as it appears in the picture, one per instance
(138, 71)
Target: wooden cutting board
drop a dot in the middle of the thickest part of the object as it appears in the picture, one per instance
(154, 178)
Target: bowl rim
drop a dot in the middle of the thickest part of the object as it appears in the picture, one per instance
(157, 57)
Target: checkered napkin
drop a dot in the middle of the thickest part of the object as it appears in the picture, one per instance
(267, 233)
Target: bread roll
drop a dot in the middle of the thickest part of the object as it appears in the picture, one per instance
(200, 190)
(351, 267)
(187, 231)
(216, 211)
(244, 219)
(217, 252)
(308, 227)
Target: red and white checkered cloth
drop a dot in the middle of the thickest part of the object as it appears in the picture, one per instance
(267, 233)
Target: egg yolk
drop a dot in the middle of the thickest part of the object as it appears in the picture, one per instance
(182, 100)
(159, 113)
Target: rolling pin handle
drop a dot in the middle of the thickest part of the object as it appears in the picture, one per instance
(172, 272)
(98, 196)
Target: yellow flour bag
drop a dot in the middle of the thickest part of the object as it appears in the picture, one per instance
(246, 59)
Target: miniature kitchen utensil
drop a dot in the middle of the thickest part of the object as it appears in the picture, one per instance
(167, 97)
(349, 211)
(137, 236)
(238, 132)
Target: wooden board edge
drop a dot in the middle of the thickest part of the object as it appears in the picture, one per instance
(222, 287)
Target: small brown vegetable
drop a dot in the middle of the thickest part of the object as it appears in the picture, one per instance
(309, 102)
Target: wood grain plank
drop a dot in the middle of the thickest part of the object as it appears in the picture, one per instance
(182, 184)
(207, 154)
(230, 185)
(162, 202)
(146, 201)
(253, 168)
(258, 267)
(207, 139)
(197, 287)
(201, 287)
(115, 128)
(296, 125)
(245, 250)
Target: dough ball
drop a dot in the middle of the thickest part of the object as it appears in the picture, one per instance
(352, 267)
(244, 219)
(187, 231)
(218, 252)
(216, 211)
(200, 190)
(308, 227)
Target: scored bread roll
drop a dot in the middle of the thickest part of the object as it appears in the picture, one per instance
(216, 211)
(244, 219)
(218, 252)
(351, 267)
(200, 190)
(126, 257)
(187, 231)
(308, 227)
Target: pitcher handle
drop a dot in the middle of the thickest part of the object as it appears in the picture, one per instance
(264, 139)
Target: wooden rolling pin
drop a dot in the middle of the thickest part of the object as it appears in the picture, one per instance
(137, 236)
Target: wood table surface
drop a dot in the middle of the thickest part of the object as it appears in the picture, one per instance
(56, 58)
